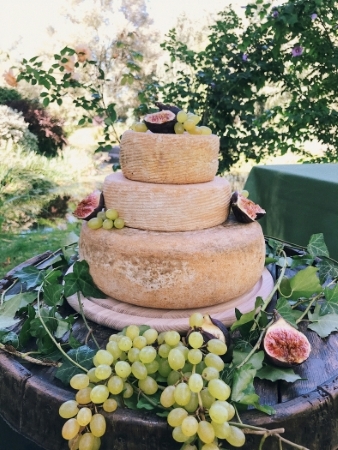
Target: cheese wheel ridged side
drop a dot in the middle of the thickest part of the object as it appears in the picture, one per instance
(169, 158)
(168, 207)
(175, 270)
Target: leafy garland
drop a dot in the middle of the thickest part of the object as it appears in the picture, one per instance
(34, 312)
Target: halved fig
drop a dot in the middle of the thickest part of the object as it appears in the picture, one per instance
(212, 328)
(161, 122)
(245, 210)
(90, 206)
(284, 345)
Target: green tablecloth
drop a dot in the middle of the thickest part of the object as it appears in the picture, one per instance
(300, 200)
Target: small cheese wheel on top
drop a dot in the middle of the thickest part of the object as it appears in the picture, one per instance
(169, 158)
(175, 270)
(168, 207)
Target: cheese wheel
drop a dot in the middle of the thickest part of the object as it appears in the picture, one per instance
(168, 207)
(175, 270)
(169, 158)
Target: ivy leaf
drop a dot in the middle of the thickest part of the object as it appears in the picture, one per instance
(316, 246)
(301, 260)
(71, 286)
(272, 373)
(62, 328)
(331, 304)
(31, 276)
(9, 337)
(285, 310)
(82, 355)
(323, 325)
(243, 390)
(8, 311)
(305, 283)
(143, 403)
(131, 402)
(247, 317)
(52, 294)
(85, 281)
(256, 359)
(23, 298)
(328, 270)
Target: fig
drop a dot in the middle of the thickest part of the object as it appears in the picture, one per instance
(90, 206)
(245, 210)
(284, 345)
(212, 328)
(161, 122)
(173, 108)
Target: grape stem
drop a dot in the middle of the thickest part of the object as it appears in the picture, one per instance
(90, 331)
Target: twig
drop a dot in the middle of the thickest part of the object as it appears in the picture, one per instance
(11, 350)
(85, 321)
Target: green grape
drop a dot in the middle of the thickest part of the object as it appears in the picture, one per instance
(173, 377)
(95, 223)
(151, 335)
(98, 425)
(87, 441)
(178, 128)
(181, 116)
(79, 381)
(236, 437)
(189, 125)
(222, 430)
(73, 444)
(187, 368)
(115, 385)
(91, 375)
(139, 342)
(161, 336)
(182, 348)
(99, 393)
(167, 398)
(107, 224)
(206, 432)
(139, 127)
(101, 215)
(97, 443)
(104, 357)
(217, 347)
(103, 371)
(152, 367)
(196, 320)
(200, 367)
(125, 344)
(148, 385)
(182, 394)
(219, 389)
(194, 118)
(218, 413)
(123, 369)
(119, 223)
(215, 361)
(112, 214)
(195, 382)
(189, 426)
(132, 331)
(70, 429)
(176, 359)
(207, 398)
(164, 350)
(133, 354)
(195, 339)
(95, 361)
(68, 409)
(176, 416)
(123, 356)
(147, 354)
(84, 416)
(110, 405)
(245, 193)
(210, 373)
(178, 435)
(211, 446)
(83, 395)
(193, 403)
(231, 410)
(205, 130)
(139, 370)
(128, 390)
(164, 368)
(113, 348)
(188, 446)
(172, 338)
(196, 130)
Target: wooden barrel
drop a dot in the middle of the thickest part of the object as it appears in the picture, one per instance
(30, 397)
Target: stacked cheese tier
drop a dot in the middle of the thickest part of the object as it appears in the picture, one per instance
(179, 249)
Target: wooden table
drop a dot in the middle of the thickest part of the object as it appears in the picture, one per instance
(308, 409)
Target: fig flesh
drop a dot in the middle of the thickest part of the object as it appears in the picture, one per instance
(90, 206)
(245, 210)
(284, 345)
(161, 122)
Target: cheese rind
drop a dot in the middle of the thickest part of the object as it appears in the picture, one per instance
(169, 158)
(175, 270)
(168, 207)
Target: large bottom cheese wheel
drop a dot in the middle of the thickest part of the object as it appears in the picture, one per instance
(168, 207)
(169, 158)
(175, 270)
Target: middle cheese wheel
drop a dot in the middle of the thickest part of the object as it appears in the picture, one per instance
(168, 207)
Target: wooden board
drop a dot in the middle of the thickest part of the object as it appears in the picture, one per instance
(117, 315)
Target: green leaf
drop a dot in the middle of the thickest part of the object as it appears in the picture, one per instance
(305, 283)
(52, 294)
(82, 355)
(85, 280)
(24, 334)
(8, 311)
(243, 390)
(323, 325)
(256, 359)
(331, 304)
(316, 246)
(328, 270)
(247, 317)
(63, 327)
(9, 337)
(273, 373)
(71, 286)
(45, 102)
(290, 315)
(31, 276)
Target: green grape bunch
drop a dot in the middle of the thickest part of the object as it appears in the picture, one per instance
(136, 361)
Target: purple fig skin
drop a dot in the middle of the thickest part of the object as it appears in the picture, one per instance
(173, 108)
(90, 206)
(155, 125)
(240, 207)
